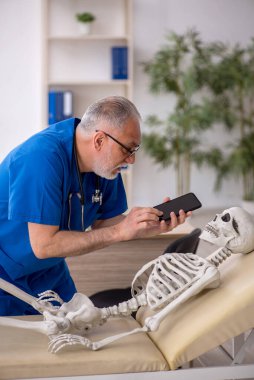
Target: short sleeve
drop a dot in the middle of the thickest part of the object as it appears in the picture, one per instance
(35, 183)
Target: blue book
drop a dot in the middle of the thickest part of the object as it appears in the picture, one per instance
(115, 63)
(52, 107)
(124, 62)
(59, 106)
(119, 62)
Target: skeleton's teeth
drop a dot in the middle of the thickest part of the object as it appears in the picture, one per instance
(209, 228)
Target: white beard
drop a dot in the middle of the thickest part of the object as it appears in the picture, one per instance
(105, 169)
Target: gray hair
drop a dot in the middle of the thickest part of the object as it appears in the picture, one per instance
(114, 110)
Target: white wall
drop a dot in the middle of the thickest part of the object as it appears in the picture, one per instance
(226, 20)
(21, 78)
(20, 71)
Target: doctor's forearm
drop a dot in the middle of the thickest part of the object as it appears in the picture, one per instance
(47, 241)
(73, 243)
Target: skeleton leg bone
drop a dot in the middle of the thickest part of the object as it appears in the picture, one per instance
(78, 315)
(51, 325)
(44, 327)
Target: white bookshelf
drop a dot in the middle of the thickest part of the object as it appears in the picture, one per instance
(83, 64)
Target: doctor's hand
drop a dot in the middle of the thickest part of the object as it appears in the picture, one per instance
(143, 222)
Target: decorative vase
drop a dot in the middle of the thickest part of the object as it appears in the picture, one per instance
(84, 28)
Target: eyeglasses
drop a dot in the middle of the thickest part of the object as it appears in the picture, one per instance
(130, 151)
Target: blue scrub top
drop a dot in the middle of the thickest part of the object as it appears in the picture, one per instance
(36, 179)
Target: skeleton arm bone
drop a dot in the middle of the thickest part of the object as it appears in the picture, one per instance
(80, 319)
(210, 279)
(39, 304)
(16, 292)
(64, 340)
(53, 324)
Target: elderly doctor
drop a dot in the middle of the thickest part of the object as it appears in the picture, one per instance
(58, 183)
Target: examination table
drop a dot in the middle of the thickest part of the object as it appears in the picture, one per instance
(202, 323)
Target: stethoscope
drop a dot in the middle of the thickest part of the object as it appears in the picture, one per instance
(96, 197)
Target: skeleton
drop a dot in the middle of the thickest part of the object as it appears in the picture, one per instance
(162, 284)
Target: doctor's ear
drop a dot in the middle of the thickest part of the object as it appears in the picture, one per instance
(98, 140)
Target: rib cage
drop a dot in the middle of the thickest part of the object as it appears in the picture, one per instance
(168, 276)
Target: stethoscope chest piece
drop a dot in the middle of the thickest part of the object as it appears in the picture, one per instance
(97, 197)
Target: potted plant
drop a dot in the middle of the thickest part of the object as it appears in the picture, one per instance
(85, 19)
(176, 140)
(232, 78)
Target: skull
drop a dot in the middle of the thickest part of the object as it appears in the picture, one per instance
(233, 229)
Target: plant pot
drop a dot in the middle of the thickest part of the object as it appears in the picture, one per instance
(84, 28)
(248, 206)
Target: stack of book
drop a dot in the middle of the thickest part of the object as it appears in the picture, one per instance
(119, 62)
(60, 106)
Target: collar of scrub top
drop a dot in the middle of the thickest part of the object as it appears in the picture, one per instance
(96, 197)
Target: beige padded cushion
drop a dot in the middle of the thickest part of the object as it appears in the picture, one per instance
(23, 354)
(212, 317)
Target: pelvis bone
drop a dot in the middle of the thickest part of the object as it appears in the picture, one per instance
(162, 284)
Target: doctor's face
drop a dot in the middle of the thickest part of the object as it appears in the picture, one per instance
(119, 149)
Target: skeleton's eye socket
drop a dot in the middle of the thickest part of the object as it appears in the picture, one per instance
(235, 225)
(226, 217)
(214, 218)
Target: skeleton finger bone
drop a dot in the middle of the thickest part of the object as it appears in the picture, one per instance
(50, 296)
(61, 341)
